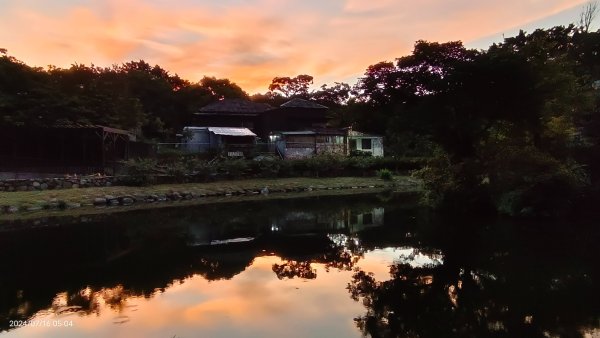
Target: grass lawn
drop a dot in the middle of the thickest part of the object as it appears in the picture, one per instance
(85, 196)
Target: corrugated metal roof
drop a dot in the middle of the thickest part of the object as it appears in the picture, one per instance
(354, 133)
(231, 131)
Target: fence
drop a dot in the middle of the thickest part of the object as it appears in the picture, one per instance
(231, 150)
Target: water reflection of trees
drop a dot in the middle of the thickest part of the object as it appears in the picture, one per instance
(536, 286)
(337, 251)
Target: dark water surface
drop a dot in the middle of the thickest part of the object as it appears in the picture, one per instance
(372, 265)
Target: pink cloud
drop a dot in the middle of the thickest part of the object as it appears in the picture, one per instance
(252, 42)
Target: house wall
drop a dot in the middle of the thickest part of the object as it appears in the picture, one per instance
(199, 140)
(304, 146)
(299, 146)
(376, 145)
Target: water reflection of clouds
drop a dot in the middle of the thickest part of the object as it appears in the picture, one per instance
(378, 261)
(252, 304)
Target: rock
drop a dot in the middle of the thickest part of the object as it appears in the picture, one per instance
(44, 186)
(108, 184)
(22, 188)
(113, 202)
(12, 209)
(73, 205)
(162, 198)
(75, 186)
(109, 197)
(67, 185)
(99, 201)
(36, 184)
(127, 201)
(34, 208)
(264, 191)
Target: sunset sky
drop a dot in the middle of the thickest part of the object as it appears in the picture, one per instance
(252, 41)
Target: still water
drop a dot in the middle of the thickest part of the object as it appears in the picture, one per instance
(367, 265)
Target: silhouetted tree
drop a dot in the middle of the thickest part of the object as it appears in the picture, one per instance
(292, 87)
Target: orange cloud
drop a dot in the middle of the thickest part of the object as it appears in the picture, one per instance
(252, 42)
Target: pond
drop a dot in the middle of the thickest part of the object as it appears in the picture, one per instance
(363, 265)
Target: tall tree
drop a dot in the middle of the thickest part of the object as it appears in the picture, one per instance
(291, 87)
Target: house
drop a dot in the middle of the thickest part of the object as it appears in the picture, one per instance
(295, 129)
(307, 143)
(234, 113)
(261, 118)
(296, 114)
(67, 148)
(233, 141)
(364, 143)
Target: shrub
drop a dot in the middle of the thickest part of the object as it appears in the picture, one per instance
(266, 166)
(177, 170)
(385, 174)
(528, 182)
(138, 172)
(233, 168)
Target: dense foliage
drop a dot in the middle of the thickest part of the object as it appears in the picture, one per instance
(188, 168)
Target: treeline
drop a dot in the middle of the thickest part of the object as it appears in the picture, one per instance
(134, 96)
(513, 128)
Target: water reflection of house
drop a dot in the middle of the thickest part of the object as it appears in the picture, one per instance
(348, 221)
(342, 221)
(359, 221)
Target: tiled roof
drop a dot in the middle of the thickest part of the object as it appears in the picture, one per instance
(235, 106)
(301, 103)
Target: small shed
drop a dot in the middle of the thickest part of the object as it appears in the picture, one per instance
(365, 143)
(232, 141)
(67, 148)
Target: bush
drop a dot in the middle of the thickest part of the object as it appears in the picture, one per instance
(233, 168)
(266, 166)
(138, 172)
(528, 182)
(385, 174)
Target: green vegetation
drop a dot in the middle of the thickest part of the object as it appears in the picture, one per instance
(193, 169)
(385, 174)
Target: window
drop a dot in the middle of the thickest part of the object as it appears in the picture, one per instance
(366, 143)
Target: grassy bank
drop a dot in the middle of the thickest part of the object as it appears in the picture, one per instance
(51, 201)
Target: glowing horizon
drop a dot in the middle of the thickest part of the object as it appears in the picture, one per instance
(251, 42)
